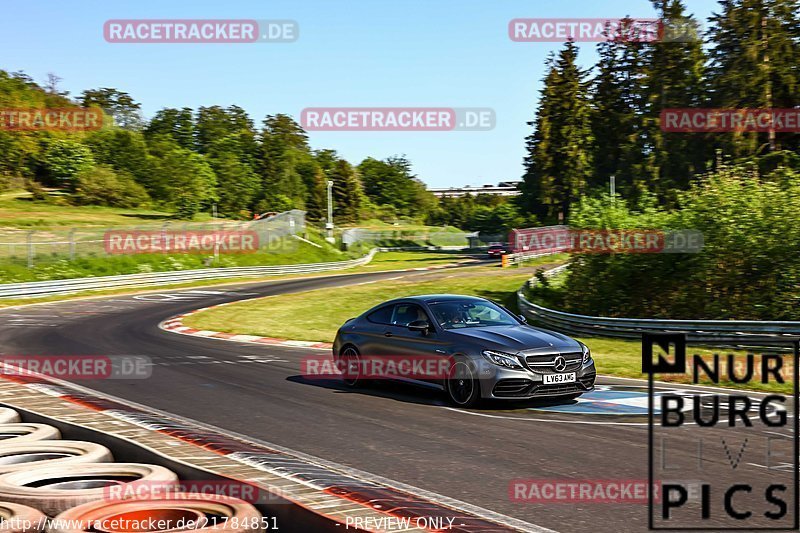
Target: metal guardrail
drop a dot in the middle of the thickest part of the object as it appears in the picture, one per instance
(712, 332)
(68, 286)
(519, 258)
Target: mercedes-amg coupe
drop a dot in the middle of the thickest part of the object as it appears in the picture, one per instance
(472, 348)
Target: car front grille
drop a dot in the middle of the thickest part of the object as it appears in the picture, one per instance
(543, 364)
(564, 388)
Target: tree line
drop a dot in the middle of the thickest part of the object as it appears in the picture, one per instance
(592, 124)
(185, 160)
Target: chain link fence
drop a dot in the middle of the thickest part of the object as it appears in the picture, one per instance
(32, 247)
(407, 237)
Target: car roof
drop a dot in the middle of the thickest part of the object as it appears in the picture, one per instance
(432, 298)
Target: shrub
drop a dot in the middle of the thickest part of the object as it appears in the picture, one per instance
(37, 191)
(747, 268)
(102, 186)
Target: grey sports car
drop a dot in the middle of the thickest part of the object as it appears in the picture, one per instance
(472, 348)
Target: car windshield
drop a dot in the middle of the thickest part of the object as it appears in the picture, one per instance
(470, 314)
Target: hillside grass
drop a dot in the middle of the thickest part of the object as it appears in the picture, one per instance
(288, 251)
(19, 210)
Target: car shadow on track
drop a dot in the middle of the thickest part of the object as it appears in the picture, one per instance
(410, 393)
(388, 389)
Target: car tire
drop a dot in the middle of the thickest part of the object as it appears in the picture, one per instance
(462, 387)
(15, 518)
(238, 514)
(8, 416)
(19, 433)
(348, 354)
(101, 481)
(29, 455)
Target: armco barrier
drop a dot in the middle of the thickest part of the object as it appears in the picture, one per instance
(67, 286)
(712, 332)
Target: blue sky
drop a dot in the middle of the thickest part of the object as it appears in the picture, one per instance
(424, 53)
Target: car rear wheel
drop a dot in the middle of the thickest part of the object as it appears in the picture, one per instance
(349, 359)
(463, 389)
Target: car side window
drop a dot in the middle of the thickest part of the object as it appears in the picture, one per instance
(404, 314)
(382, 315)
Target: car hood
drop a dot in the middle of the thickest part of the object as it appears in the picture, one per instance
(515, 339)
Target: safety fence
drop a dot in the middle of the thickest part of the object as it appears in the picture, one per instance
(403, 237)
(34, 246)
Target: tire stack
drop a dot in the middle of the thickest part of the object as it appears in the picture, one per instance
(79, 487)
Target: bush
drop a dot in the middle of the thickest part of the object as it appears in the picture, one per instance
(9, 182)
(277, 202)
(186, 207)
(747, 268)
(102, 186)
(63, 160)
(37, 191)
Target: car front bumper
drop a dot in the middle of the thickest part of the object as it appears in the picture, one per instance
(506, 384)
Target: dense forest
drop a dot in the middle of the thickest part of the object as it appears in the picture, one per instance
(595, 123)
(740, 189)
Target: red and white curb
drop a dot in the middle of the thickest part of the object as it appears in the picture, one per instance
(175, 324)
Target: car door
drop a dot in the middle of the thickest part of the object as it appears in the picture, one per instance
(413, 344)
(376, 330)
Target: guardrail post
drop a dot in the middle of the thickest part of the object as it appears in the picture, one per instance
(107, 249)
(72, 244)
(31, 250)
(164, 236)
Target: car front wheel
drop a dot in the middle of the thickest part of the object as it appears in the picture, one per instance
(463, 390)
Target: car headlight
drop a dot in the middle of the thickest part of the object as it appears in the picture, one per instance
(501, 359)
(587, 354)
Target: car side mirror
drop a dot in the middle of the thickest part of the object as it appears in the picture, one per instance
(423, 326)
(522, 317)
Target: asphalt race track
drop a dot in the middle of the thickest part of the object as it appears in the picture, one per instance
(396, 431)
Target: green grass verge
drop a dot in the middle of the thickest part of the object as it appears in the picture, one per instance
(298, 316)
(402, 260)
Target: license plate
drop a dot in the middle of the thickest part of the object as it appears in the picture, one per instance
(568, 377)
